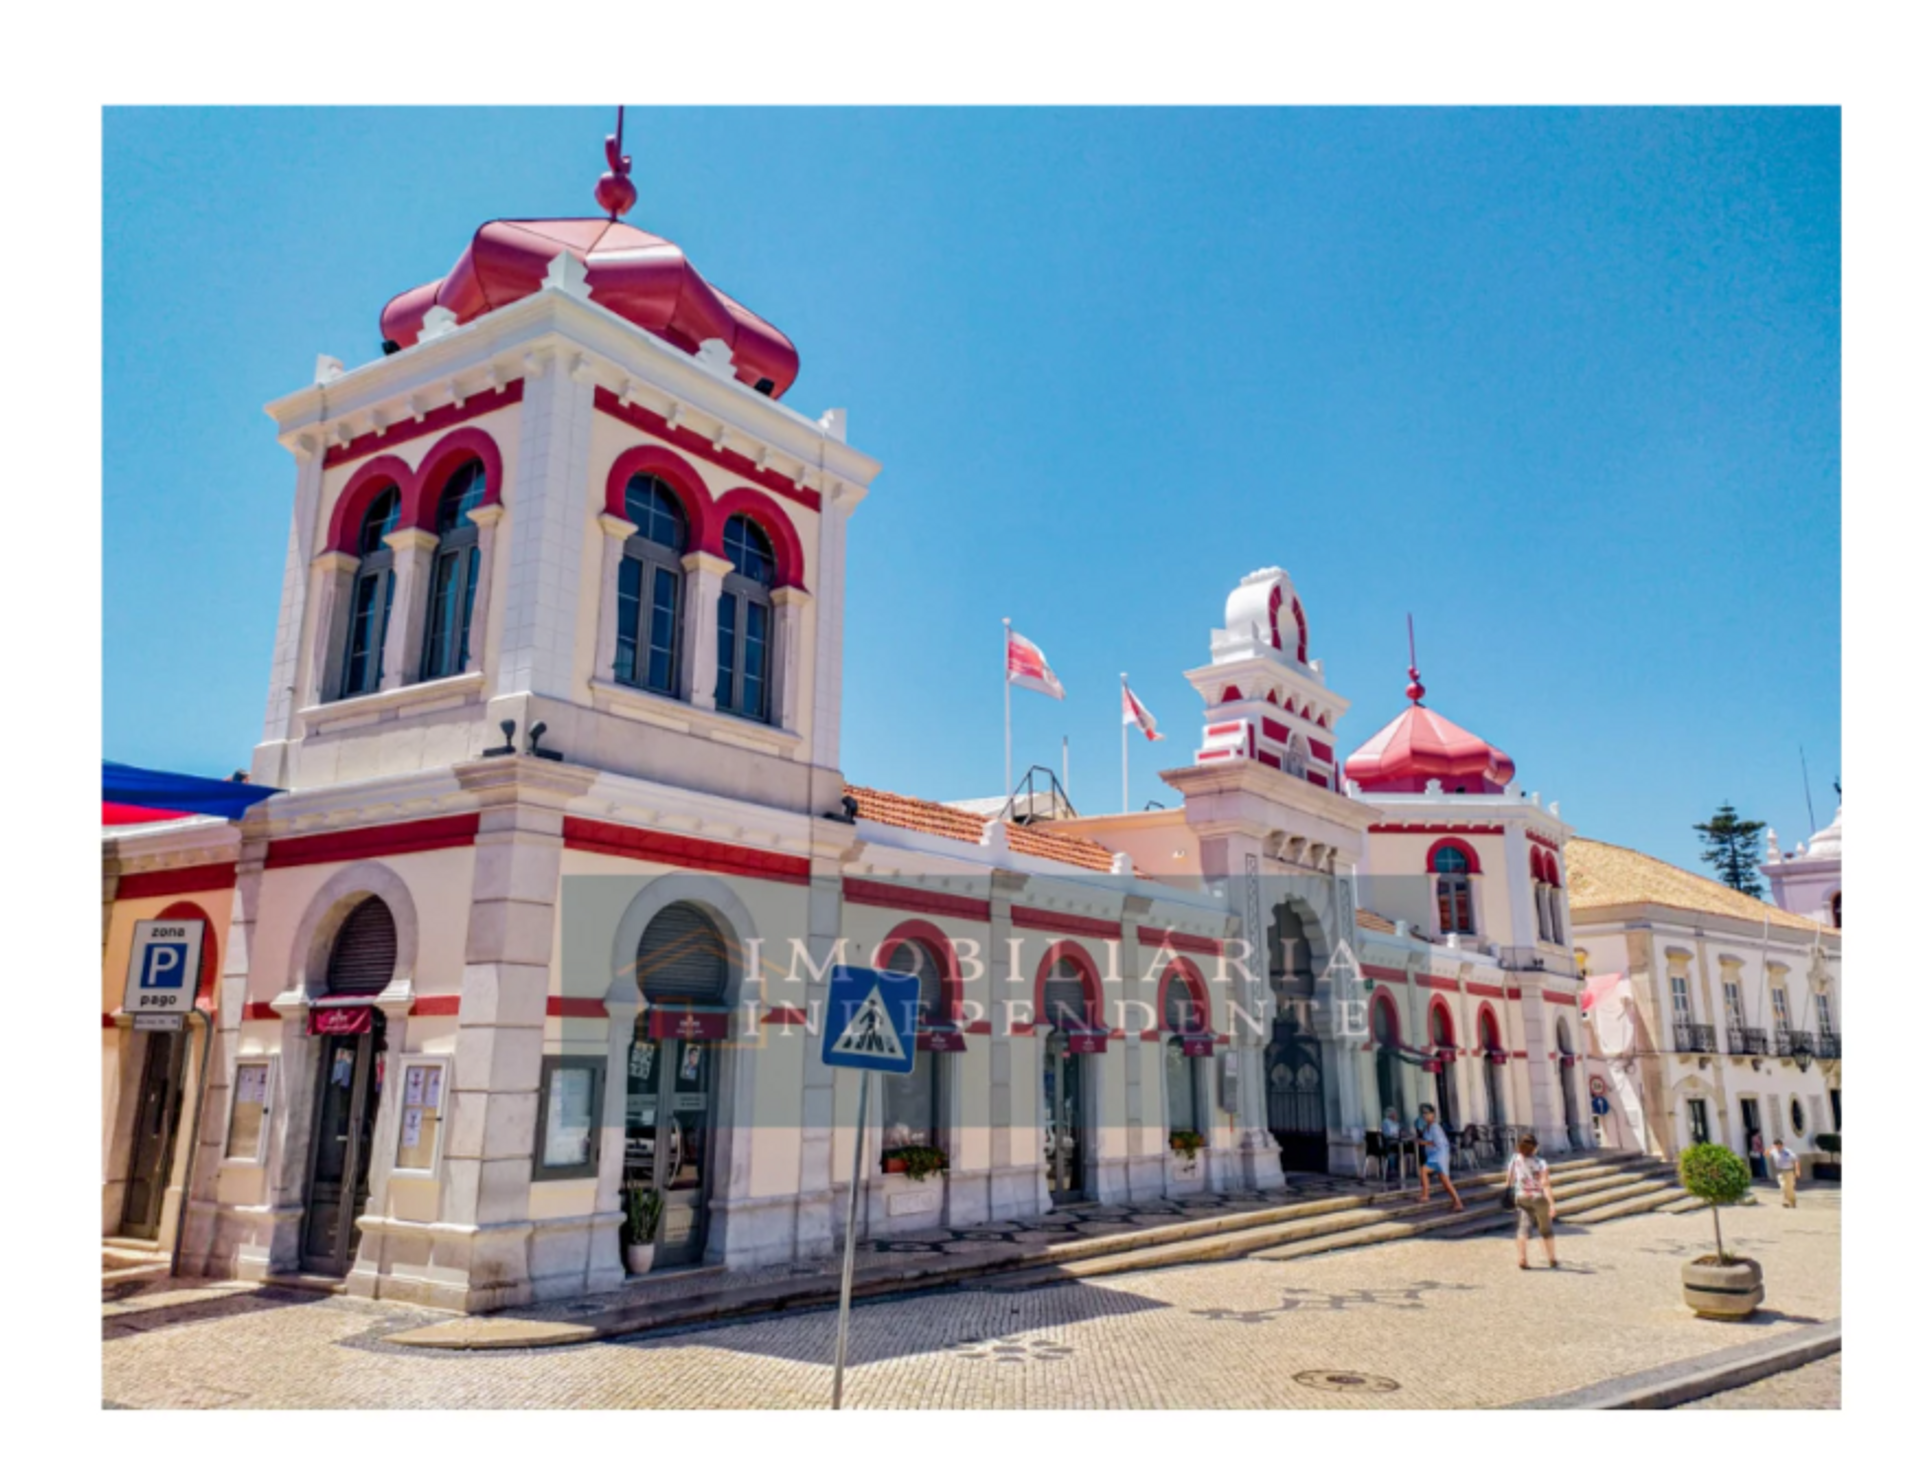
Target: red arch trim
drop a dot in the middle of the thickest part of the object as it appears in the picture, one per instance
(673, 470)
(1535, 866)
(357, 497)
(1300, 619)
(1487, 1020)
(419, 487)
(1473, 859)
(789, 560)
(458, 447)
(1382, 999)
(1551, 866)
(1181, 969)
(204, 995)
(945, 962)
(1071, 953)
(1440, 1019)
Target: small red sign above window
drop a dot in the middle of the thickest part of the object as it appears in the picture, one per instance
(941, 1039)
(1197, 1044)
(339, 1021)
(1078, 1042)
(688, 1026)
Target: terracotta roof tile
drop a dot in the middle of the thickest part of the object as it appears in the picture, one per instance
(1606, 874)
(926, 817)
(1367, 920)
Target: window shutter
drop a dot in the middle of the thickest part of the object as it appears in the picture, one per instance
(683, 958)
(364, 952)
(1065, 1000)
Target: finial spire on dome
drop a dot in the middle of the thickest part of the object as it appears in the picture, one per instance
(1415, 690)
(615, 191)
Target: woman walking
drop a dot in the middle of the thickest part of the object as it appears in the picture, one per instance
(1532, 1197)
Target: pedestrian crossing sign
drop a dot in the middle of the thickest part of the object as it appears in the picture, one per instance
(871, 1020)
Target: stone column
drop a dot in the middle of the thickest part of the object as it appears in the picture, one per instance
(486, 1233)
(303, 538)
(605, 1266)
(487, 516)
(789, 616)
(701, 638)
(829, 585)
(332, 585)
(615, 532)
(816, 1212)
(1008, 1192)
(407, 620)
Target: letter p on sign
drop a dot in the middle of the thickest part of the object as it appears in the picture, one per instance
(164, 965)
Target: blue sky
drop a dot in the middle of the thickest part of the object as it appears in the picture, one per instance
(1564, 384)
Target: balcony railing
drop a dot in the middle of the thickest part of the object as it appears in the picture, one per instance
(1791, 1042)
(1693, 1037)
(1746, 1042)
(1826, 1044)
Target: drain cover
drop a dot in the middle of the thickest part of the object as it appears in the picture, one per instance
(1330, 1380)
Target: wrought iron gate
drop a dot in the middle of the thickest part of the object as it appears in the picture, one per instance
(1296, 1100)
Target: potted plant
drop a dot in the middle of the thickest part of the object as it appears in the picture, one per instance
(1187, 1144)
(644, 1206)
(1828, 1168)
(1721, 1286)
(918, 1162)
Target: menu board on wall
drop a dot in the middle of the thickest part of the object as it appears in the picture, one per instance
(246, 1124)
(569, 1137)
(420, 1104)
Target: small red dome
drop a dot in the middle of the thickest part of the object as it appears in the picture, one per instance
(1419, 745)
(638, 276)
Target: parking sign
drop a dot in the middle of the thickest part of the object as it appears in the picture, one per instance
(163, 972)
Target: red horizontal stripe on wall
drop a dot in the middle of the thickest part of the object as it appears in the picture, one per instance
(446, 415)
(259, 1011)
(683, 852)
(1030, 918)
(1476, 988)
(434, 1006)
(907, 897)
(1439, 983)
(1565, 998)
(784, 1016)
(1543, 841)
(1383, 973)
(1514, 992)
(107, 1022)
(694, 445)
(1199, 945)
(152, 883)
(413, 837)
(1433, 828)
(576, 1006)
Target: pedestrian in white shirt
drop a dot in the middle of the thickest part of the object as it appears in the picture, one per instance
(1786, 1169)
(1532, 1197)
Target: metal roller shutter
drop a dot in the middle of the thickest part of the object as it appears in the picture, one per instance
(1064, 1000)
(364, 952)
(683, 958)
(911, 958)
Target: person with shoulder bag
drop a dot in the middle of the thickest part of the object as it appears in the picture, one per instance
(1532, 1195)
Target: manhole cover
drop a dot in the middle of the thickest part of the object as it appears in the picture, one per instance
(1332, 1381)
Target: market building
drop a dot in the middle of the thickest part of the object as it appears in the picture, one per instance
(1714, 1016)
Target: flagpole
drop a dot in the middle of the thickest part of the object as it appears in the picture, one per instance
(1126, 789)
(1006, 677)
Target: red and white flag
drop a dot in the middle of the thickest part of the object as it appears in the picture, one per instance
(1027, 667)
(1134, 715)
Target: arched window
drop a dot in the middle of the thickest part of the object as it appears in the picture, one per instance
(910, 1102)
(363, 955)
(1836, 909)
(746, 622)
(1453, 890)
(647, 643)
(1182, 1010)
(683, 959)
(1386, 1062)
(456, 574)
(370, 602)
(1441, 1020)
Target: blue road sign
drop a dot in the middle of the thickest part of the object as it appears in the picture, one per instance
(871, 1020)
(1600, 1106)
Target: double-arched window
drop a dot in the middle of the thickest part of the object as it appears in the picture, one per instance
(910, 1102)
(456, 574)
(1546, 898)
(1453, 890)
(370, 602)
(744, 681)
(647, 639)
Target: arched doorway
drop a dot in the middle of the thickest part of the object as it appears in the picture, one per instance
(1064, 1079)
(159, 1097)
(349, 1066)
(672, 1082)
(1492, 1061)
(1296, 1092)
(1184, 1036)
(1444, 1049)
(912, 1105)
(1569, 1093)
(1385, 1024)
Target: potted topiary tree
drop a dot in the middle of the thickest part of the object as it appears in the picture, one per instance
(1721, 1286)
(644, 1205)
(1827, 1168)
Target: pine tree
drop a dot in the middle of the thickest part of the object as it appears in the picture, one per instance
(1733, 849)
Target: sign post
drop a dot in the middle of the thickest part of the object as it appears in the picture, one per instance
(163, 977)
(871, 1024)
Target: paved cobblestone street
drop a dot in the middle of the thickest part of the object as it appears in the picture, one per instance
(1417, 1324)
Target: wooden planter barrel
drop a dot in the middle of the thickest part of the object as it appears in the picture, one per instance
(1729, 1291)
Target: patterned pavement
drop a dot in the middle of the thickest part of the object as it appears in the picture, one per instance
(1423, 1323)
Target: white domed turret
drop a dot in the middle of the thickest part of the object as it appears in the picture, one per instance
(1807, 881)
(1826, 843)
